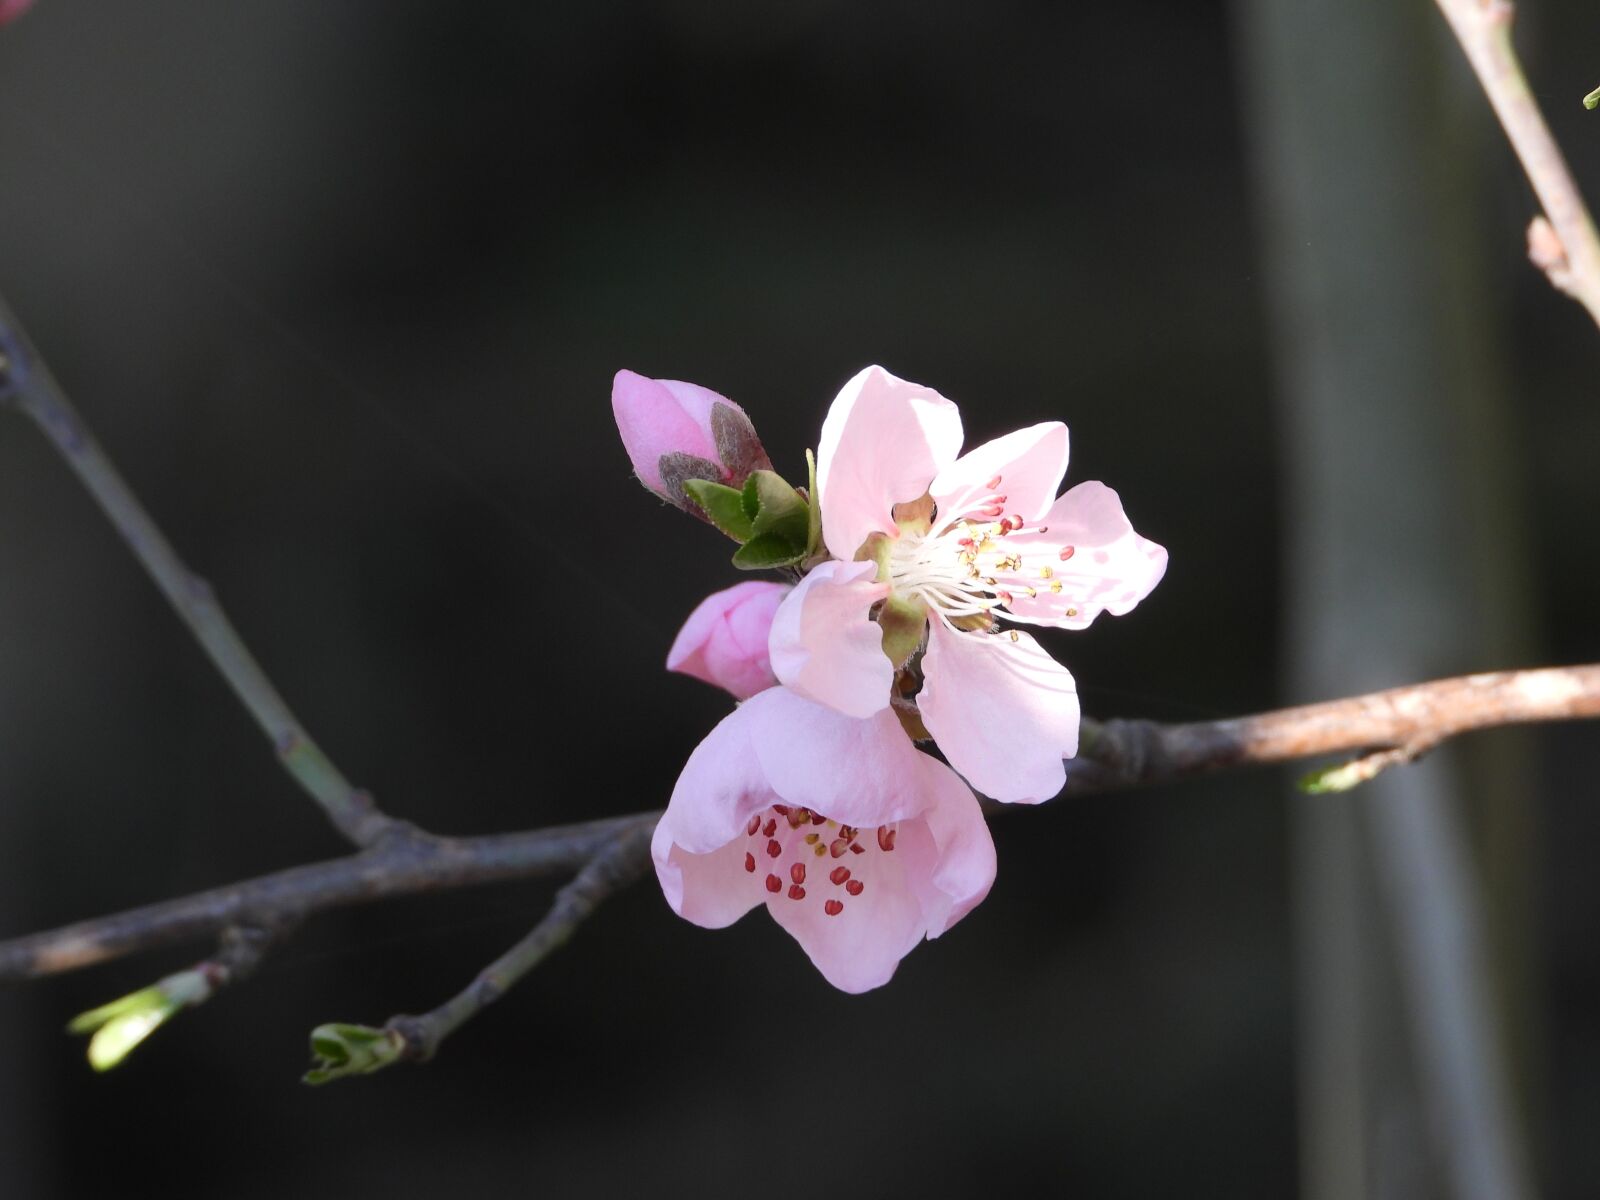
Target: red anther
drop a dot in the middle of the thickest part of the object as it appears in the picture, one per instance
(837, 847)
(885, 839)
(833, 908)
(1004, 597)
(771, 826)
(750, 863)
(968, 542)
(992, 484)
(991, 510)
(773, 849)
(774, 884)
(798, 872)
(755, 824)
(855, 887)
(857, 848)
(797, 817)
(818, 819)
(1067, 552)
(781, 809)
(1044, 529)
(840, 874)
(796, 892)
(1016, 521)
(848, 832)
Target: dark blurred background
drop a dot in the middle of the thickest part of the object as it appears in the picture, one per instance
(342, 288)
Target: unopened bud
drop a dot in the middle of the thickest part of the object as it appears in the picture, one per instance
(119, 1027)
(675, 432)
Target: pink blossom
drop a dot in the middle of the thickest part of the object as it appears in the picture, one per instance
(859, 844)
(676, 431)
(724, 641)
(925, 537)
(10, 10)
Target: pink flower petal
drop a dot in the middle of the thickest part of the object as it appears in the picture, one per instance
(824, 644)
(724, 641)
(859, 948)
(713, 890)
(1108, 568)
(859, 772)
(1003, 711)
(961, 868)
(1024, 467)
(721, 786)
(883, 442)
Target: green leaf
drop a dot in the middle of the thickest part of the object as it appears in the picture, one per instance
(340, 1050)
(775, 507)
(1592, 100)
(724, 505)
(768, 550)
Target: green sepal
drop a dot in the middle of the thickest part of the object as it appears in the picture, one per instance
(776, 508)
(725, 506)
(766, 551)
(903, 619)
(813, 507)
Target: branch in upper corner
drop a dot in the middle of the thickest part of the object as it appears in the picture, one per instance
(1566, 248)
(27, 385)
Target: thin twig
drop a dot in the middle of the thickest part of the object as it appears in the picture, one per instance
(613, 869)
(394, 867)
(1114, 755)
(1565, 246)
(27, 385)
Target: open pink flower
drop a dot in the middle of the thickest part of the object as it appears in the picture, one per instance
(724, 641)
(859, 844)
(924, 536)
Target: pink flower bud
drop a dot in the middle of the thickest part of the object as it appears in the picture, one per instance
(677, 431)
(10, 10)
(724, 641)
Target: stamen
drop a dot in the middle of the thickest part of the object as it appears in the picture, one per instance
(774, 884)
(1067, 552)
(798, 872)
(755, 824)
(855, 887)
(773, 849)
(992, 484)
(838, 875)
(885, 838)
(750, 863)
(837, 847)
(771, 827)
(833, 908)
(796, 892)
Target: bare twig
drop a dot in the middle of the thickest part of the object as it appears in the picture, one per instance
(1115, 754)
(608, 872)
(396, 867)
(27, 385)
(1563, 242)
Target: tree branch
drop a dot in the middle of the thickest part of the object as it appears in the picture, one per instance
(1562, 243)
(27, 385)
(1380, 729)
(608, 872)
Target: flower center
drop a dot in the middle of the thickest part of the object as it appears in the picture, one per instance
(801, 854)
